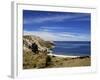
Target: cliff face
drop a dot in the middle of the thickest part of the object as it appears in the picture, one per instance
(32, 59)
(28, 40)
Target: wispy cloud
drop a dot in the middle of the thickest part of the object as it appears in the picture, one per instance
(64, 36)
(45, 19)
(56, 18)
(52, 28)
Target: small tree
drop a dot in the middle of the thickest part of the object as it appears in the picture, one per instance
(34, 48)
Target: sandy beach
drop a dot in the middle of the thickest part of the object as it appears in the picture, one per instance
(63, 56)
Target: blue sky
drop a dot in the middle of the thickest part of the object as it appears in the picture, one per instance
(57, 26)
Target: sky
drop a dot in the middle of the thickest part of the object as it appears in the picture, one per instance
(57, 26)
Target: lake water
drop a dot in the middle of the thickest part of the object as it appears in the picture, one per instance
(74, 48)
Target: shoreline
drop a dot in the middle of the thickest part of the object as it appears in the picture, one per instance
(64, 56)
(54, 61)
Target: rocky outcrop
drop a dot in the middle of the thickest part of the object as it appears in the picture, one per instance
(29, 40)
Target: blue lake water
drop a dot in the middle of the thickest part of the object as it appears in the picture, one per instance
(74, 48)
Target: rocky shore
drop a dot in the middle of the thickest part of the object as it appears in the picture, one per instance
(37, 54)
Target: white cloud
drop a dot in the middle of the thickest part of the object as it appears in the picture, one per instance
(57, 18)
(54, 27)
(44, 35)
(64, 36)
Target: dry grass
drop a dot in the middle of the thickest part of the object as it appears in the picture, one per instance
(42, 60)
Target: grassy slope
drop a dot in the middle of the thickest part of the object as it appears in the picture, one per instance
(44, 61)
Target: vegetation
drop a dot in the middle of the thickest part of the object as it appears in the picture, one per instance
(31, 60)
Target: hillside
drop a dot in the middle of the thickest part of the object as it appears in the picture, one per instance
(39, 59)
(28, 40)
(36, 55)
